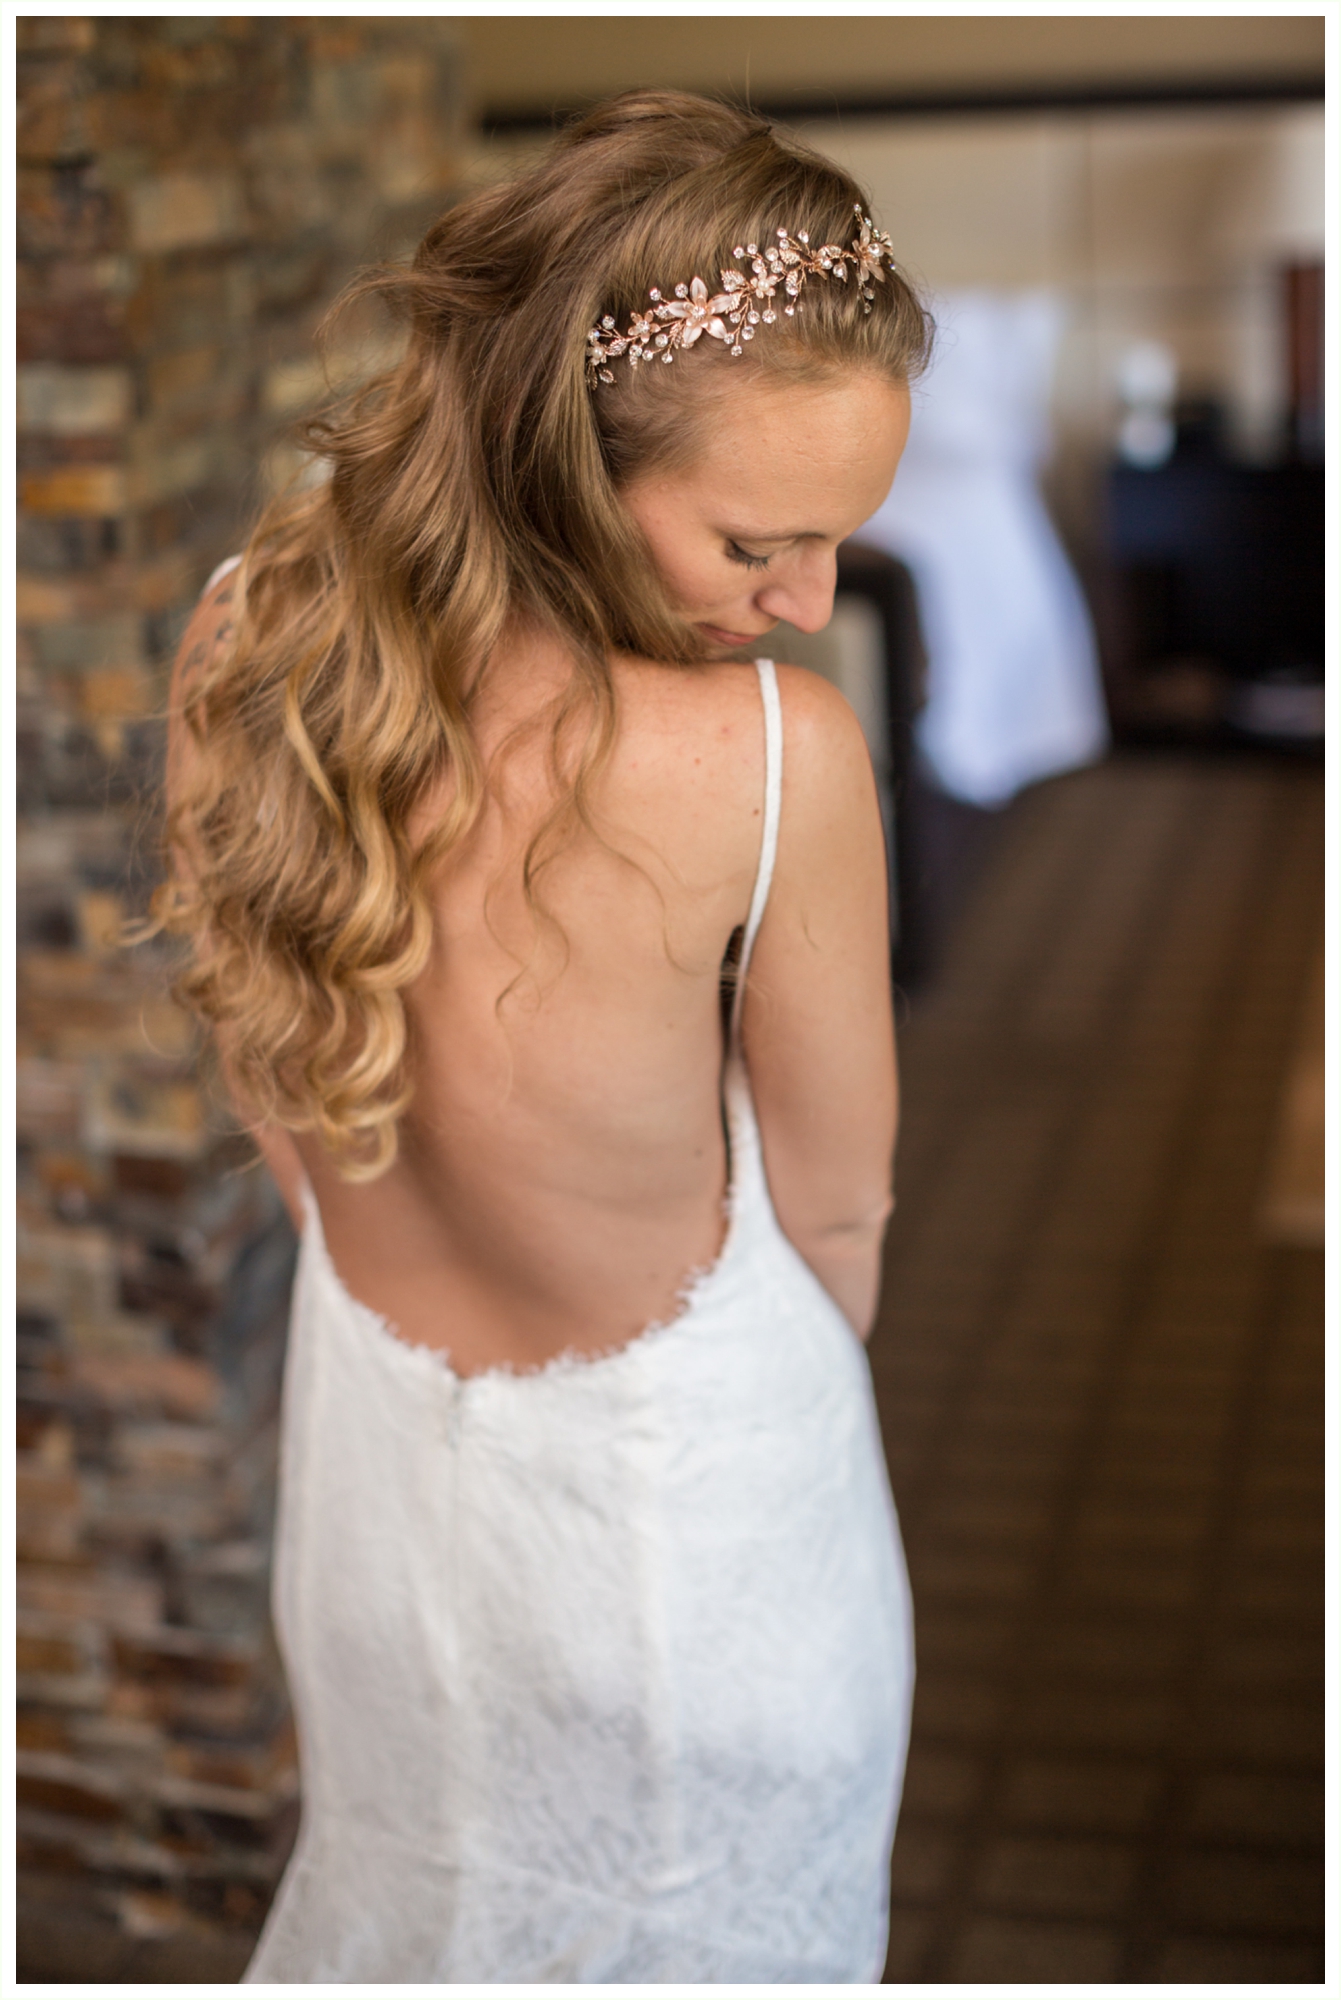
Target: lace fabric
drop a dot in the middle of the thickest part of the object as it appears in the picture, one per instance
(601, 1673)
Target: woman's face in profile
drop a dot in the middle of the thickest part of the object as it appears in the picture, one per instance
(746, 535)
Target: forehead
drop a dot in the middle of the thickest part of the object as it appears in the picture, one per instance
(776, 449)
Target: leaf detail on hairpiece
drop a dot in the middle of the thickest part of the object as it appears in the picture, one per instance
(786, 263)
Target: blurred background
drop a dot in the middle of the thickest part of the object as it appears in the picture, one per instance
(1084, 637)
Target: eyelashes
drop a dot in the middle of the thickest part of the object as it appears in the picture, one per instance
(736, 554)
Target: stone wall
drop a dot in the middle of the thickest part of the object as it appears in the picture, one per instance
(192, 192)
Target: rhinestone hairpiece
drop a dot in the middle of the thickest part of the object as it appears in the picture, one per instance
(745, 300)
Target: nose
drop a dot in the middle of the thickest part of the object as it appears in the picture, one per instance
(805, 600)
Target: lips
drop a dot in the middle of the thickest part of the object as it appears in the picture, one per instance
(721, 638)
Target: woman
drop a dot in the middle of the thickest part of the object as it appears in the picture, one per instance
(588, 1581)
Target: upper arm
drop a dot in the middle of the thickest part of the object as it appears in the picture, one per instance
(818, 1013)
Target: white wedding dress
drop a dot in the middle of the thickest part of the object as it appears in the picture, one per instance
(1014, 692)
(603, 1672)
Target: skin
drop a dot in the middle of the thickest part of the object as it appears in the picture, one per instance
(562, 1167)
(747, 535)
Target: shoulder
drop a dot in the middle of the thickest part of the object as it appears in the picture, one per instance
(696, 712)
(687, 774)
(727, 693)
(208, 629)
(693, 690)
(830, 837)
(824, 750)
(203, 644)
(815, 713)
(714, 714)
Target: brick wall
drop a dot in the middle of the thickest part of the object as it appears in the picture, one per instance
(192, 192)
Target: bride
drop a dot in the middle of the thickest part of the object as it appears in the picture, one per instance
(588, 1582)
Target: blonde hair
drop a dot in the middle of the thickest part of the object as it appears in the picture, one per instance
(477, 479)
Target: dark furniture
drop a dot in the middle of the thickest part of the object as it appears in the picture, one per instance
(887, 585)
(1214, 593)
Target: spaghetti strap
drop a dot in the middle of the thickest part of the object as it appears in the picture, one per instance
(768, 846)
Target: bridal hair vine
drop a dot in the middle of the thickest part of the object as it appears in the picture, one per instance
(745, 300)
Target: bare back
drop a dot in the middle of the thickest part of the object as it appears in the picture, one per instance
(563, 1165)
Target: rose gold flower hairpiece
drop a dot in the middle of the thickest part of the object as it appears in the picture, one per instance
(743, 302)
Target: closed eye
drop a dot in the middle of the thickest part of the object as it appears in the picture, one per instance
(737, 554)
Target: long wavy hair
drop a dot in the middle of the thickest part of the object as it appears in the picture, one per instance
(475, 481)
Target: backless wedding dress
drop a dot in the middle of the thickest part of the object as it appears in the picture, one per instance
(601, 1672)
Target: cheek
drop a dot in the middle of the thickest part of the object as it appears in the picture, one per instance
(690, 570)
(696, 585)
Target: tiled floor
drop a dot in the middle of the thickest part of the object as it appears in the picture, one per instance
(1101, 1393)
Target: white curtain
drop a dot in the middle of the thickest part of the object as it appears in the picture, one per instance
(1013, 680)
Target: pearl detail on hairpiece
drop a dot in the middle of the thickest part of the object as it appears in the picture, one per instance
(744, 302)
